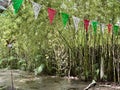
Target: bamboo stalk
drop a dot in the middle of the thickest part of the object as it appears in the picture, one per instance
(12, 83)
(101, 54)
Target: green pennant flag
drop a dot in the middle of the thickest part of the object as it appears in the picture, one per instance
(94, 24)
(16, 5)
(116, 28)
(65, 18)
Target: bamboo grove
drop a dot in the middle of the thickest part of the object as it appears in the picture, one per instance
(57, 50)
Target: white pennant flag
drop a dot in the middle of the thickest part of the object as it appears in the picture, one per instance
(36, 8)
(1, 0)
(3, 8)
(102, 27)
(76, 21)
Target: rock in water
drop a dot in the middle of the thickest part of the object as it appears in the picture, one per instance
(92, 84)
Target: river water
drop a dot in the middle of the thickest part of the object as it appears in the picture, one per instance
(27, 81)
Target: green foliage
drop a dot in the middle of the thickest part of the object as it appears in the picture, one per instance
(39, 69)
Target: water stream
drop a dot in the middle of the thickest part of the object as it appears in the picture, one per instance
(27, 81)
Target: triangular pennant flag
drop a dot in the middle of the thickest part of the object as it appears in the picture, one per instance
(109, 28)
(102, 26)
(1, 1)
(36, 8)
(118, 23)
(76, 21)
(65, 18)
(86, 24)
(16, 5)
(51, 14)
(116, 28)
(63, 6)
(94, 25)
(2, 8)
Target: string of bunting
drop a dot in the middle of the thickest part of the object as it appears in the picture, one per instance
(65, 17)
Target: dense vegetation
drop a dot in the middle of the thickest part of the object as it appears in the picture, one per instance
(56, 50)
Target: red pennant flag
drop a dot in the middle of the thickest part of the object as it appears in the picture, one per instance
(109, 28)
(51, 14)
(86, 24)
